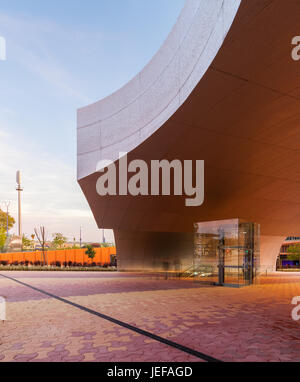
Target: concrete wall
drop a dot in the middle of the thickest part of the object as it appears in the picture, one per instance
(151, 250)
(269, 251)
(154, 250)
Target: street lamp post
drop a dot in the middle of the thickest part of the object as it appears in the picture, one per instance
(19, 189)
(7, 218)
(80, 236)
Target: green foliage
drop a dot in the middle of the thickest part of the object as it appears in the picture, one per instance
(2, 238)
(3, 220)
(105, 245)
(59, 240)
(27, 243)
(294, 252)
(90, 252)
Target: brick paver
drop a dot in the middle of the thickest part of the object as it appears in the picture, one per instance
(249, 324)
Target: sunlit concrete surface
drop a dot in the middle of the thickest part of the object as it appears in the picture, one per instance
(249, 324)
(224, 89)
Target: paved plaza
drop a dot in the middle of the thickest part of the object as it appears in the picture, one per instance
(248, 324)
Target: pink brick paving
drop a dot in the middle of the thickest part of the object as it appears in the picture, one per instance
(250, 324)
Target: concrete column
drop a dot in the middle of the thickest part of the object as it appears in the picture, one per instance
(269, 251)
(148, 251)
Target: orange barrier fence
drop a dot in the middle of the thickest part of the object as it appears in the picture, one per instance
(64, 256)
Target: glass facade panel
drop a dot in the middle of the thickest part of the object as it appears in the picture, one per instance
(226, 252)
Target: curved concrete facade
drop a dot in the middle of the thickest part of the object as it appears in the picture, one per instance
(224, 89)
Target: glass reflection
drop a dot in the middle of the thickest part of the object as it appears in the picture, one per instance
(226, 252)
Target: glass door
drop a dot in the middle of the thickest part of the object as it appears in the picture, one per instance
(227, 252)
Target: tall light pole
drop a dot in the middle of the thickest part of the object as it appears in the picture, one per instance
(19, 189)
(103, 236)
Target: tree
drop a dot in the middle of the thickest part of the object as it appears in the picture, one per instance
(26, 243)
(3, 220)
(59, 240)
(41, 236)
(2, 238)
(90, 252)
(294, 252)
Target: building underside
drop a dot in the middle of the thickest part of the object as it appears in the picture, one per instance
(223, 89)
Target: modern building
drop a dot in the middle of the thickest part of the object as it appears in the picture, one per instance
(225, 89)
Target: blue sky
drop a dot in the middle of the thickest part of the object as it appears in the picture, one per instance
(62, 55)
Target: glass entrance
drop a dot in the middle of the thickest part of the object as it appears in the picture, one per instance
(226, 252)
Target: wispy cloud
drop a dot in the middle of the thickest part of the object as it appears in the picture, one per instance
(55, 65)
(51, 195)
(29, 44)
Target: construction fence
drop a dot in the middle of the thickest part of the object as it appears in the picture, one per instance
(67, 256)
